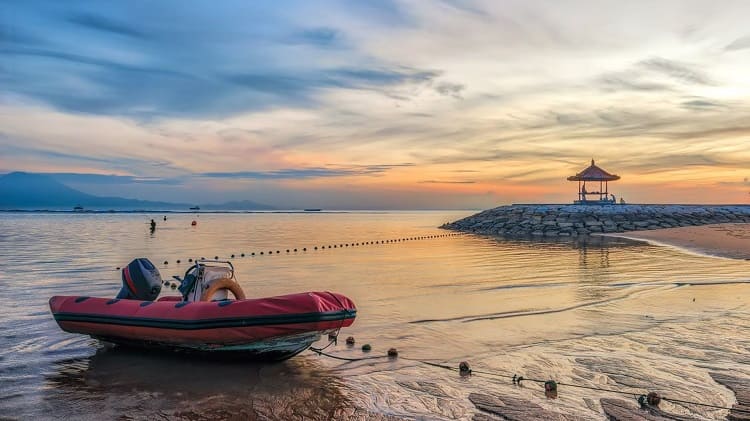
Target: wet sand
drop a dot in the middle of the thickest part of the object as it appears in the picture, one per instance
(729, 240)
(722, 240)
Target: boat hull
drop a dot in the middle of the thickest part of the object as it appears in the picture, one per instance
(266, 328)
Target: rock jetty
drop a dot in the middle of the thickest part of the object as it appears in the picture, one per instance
(582, 220)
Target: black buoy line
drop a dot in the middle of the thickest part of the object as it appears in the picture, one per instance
(647, 400)
(333, 245)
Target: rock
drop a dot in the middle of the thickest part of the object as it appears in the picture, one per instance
(575, 220)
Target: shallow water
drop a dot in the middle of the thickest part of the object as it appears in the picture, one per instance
(606, 312)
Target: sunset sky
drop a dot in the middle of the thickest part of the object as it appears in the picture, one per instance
(389, 104)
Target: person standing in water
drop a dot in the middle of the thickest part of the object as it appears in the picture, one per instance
(165, 217)
(153, 225)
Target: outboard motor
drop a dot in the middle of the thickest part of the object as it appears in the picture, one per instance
(140, 281)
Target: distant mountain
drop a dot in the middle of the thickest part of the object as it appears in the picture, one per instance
(20, 190)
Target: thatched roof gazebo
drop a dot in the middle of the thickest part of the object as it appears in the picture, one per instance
(592, 174)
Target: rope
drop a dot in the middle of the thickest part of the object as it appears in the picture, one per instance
(740, 410)
(518, 379)
(290, 251)
(319, 351)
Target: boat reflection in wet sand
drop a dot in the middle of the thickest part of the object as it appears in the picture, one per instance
(203, 318)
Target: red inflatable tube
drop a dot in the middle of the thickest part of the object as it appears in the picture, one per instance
(281, 325)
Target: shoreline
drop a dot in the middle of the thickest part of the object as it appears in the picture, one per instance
(725, 240)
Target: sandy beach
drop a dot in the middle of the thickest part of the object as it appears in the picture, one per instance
(722, 240)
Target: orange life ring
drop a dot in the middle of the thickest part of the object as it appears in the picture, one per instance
(223, 283)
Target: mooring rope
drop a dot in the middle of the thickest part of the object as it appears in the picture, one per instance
(650, 399)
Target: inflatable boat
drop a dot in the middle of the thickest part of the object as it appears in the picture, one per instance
(204, 318)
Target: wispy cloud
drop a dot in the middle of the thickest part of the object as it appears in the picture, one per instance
(111, 179)
(105, 24)
(312, 172)
(739, 44)
(679, 71)
(447, 182)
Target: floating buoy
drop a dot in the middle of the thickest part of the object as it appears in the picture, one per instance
(216, 257)
(295, 250)
(393, 353)
(653, 399)
(464, 369)
(304, 249)
(242, 255)
(173, 286)
(166, 283)
(194, 223)
(178, 260)
(233, 256)
(350, 340)
(316, 247)
(550, 389)
(166, 262)
(117, 268)
(261, 253)
(190, 260)
(252, 254)
(366, 348)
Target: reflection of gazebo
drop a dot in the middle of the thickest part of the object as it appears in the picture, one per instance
(593, 174)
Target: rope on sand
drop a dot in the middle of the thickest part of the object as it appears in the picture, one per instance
(650, 399)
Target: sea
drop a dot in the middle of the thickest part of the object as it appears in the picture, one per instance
(605, 313)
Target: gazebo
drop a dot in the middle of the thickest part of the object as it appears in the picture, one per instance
(592, 174)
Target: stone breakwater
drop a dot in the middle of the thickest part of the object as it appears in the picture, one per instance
(578, 220)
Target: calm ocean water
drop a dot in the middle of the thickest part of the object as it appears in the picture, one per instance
(606, 312)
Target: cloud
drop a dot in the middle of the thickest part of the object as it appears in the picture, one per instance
(320, 37)
(110, 179)
(450, 89)
(304, 173)
(447, 182)
(682, 72)
(701, 104)
(739, 44)
(145, 69)
(628, 82)
(104, 24)
(84, 60)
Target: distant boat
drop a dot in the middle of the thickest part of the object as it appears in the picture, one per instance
(313, 210)
(78, 208)
(195, 208)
